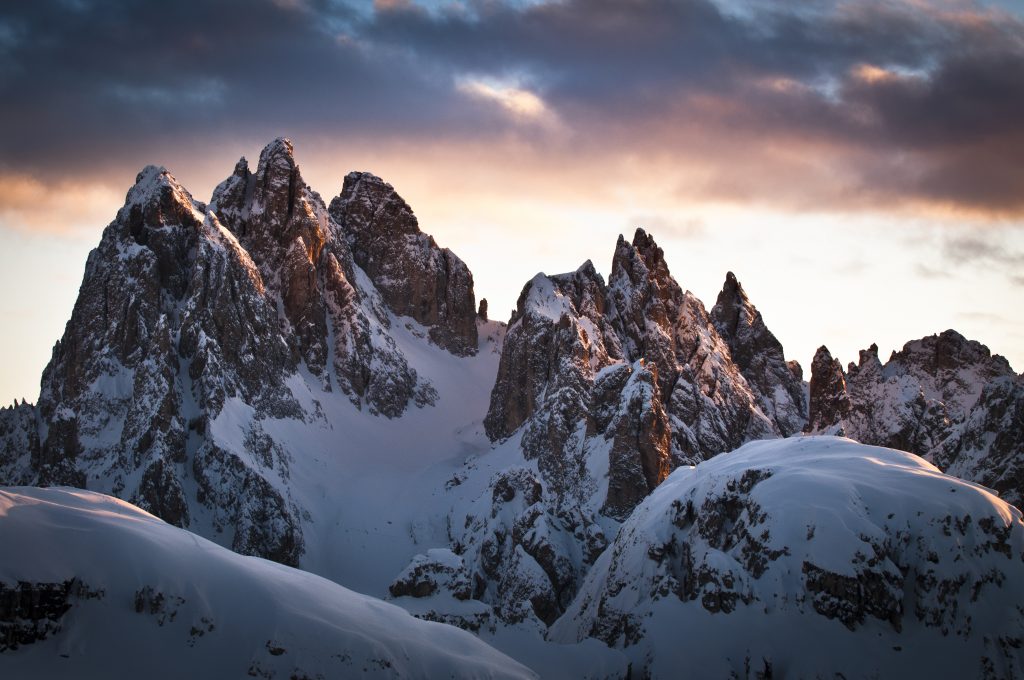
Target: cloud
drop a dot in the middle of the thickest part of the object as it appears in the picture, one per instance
(981, 250)
(521, 103)
(28, 205)
(848, 106)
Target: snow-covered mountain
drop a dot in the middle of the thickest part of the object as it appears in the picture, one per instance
(811, 557)
(943, 397)
(198, 329)
(98, 588)
(314, 384)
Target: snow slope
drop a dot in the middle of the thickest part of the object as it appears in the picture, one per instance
(110, 588)
(811, 557)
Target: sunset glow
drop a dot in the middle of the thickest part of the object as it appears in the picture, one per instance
(817, 152)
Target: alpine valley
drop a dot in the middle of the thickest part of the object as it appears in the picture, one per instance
(268, 413)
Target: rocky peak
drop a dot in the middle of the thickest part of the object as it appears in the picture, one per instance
(757, 352)
(829, 400)
(415, 277)
(950, 368)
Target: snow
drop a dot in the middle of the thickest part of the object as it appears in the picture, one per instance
(950, 552)
(544, 300)
(220, 614)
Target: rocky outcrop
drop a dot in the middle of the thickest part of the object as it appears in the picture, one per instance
(303, 257)
(791, 537)
(777, 383)
(829, 402)
(415, 277)
(639, 459)
(607, 388)
(19, 442)
(33, 611)
(942, 397)
(711, 406)
(988, 446)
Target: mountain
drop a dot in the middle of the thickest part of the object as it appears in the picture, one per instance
(811, 557)
(198, 327)
(313, 383)
(943, 397)
(602, 390)
(98, 589)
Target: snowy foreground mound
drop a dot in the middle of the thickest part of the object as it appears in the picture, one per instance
(811, 557)
(93, 587)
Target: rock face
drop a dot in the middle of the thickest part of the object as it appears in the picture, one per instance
(196, 325)
(603, 389)
(414, 276)
(942, 397)
(829, 399)
(19, 442)
(988, 446)
(783, 540)
(779, 385)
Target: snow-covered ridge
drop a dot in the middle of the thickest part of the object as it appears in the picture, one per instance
(119, 593)
(812, 557)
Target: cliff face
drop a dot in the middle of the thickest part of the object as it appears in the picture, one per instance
(413, 275)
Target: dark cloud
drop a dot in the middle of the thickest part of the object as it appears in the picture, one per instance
(848, 104)
(982, 250)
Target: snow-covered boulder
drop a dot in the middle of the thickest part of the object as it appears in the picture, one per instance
(812, 557)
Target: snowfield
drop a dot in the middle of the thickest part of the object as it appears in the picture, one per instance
(811, 557)
(115, 592)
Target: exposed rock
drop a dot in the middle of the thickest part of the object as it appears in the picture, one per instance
(640, 456)
(414, 276)
(558, 332)
(584, 375)
(943, 397)
(710, 404)
(436, 571)
(307, 265)
(481, 312)
(19, 443)
(829, 400)
(31, 612)
(988, 446)
(759, 356)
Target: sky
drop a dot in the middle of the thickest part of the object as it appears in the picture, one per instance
(856, 163)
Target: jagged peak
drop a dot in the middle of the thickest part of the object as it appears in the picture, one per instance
(241, 168)
(157, 198)
(732, 289)
(281, 147)
(365, 192)
(949, 349)
(641, 260)
(822, 355)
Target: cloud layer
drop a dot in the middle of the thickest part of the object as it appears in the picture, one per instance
(828, 106)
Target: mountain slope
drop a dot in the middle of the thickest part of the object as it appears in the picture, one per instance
(601, 391)
(99, 589)
(200, 329)
(943, 397)
(812, 557)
